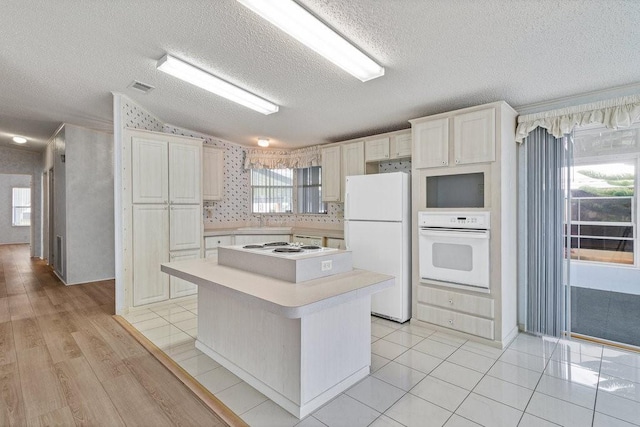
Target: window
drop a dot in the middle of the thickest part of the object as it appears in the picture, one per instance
(272, 190)
(21, 207)
(602, 212)
(310, 191)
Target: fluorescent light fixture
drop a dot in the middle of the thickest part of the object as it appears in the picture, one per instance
(263, 142)
(206, 81)
(19, 140)
(293, 19)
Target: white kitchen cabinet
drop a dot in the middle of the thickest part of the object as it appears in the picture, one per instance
(431, 143)
(212, 243)
(474, 136)
(376, 150)
(184, 173)
(249, 239)
(331, 174)
(162, 210)
(455, 139)
(179, 287)
(185, 224)
(352, 162)
(333, 242)
(212, 173)
(400, 146)
(150, 248)
(149, 171)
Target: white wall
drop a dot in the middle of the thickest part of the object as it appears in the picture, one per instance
(9, 233)
(22, 162)
(605, 277)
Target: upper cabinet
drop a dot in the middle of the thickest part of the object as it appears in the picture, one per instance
(184, 173)
(331, 161)
(400, 146)
(454, 138)
(352, 162)
(212, 173)
(376, 149)
(150, 171)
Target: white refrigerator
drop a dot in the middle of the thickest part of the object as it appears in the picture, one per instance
(378, 233)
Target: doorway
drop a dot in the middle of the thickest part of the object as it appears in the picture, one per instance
(15, 208)
(604, 272)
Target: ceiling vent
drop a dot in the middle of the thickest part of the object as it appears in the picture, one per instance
(142, 87)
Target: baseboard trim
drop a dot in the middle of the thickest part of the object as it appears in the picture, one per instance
(212, 402)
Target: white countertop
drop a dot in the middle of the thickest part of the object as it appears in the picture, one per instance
(291, 300)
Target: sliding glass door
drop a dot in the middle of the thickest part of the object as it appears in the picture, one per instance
(601, 230)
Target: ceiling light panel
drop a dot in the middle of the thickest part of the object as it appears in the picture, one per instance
(296, 21)
(213, 84)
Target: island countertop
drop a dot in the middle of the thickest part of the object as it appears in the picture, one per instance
(291, 300)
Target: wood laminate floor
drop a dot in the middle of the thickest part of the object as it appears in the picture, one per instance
(65, 361)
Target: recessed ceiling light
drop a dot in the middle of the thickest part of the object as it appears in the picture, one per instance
(263, 142)
(296, 21)
(213, 84)
(19, 140)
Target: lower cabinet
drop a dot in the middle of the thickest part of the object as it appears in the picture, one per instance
(150, 248)
(178, 287)
(212, 243)
(456, 310)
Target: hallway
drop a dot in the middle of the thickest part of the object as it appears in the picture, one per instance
(65, 361)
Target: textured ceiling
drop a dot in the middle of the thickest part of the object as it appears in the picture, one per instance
(61, 60)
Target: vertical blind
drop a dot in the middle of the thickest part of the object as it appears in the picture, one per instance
(544, 212)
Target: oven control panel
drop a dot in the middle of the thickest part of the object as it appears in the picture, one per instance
(450, 219)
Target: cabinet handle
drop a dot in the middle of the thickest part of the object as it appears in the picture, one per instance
(457, 161)
(444, 162)
(451, 321)
(451, 302)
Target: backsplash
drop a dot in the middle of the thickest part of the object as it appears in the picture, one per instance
(234, 209)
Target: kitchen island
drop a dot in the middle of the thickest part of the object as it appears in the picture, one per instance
(300, 344)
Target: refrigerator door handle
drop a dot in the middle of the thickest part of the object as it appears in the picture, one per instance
(346, 205)
(346, 236)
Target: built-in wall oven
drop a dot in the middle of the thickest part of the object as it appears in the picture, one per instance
(453, 248)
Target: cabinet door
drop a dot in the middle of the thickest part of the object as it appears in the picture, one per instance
(401, 146)
(474, 137)
(179, 287)
(150, 249)
(376, 149)
(184, 173)
(331, 174)
(150, 171)
(185, 225)
(212, 173)
(352, 162)
(431, 143)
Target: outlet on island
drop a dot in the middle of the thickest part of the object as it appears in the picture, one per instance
(327, 265)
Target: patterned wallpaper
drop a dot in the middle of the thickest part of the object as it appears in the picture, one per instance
(234, 209)
(134, 116)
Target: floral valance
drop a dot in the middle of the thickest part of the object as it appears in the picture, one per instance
(614, 113)
(282, 159)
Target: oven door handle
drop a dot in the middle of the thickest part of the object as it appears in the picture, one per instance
(455, 233)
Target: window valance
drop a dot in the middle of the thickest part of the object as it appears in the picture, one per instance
(282, 159)
(613, 113)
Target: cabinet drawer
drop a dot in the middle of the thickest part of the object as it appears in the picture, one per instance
(471, 304)
(216, 241)
(458, 321)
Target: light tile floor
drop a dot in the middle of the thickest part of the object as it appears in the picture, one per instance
(421, 377)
